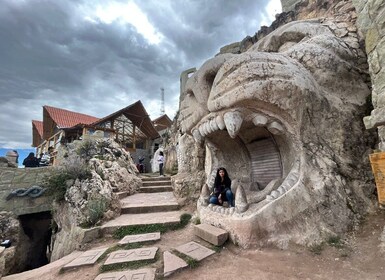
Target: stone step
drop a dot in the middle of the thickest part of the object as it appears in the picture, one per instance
(156, 183)
(149, 202)
(154, 189)
(122, 195)
(161, 218)
(158, 178)
(211, 234)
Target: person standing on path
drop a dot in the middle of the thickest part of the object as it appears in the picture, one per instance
(161, 162)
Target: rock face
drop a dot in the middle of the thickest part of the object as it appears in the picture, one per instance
(285, 119)
(10, 229)
(371, 23)
(91, 200)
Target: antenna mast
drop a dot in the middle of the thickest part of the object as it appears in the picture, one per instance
(162, 111)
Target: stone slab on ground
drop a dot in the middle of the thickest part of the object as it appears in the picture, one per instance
(149, 202)
(2, 249)
(139, 274)
(195, 250)
(140, 238)
(163, 218)
(124, 256)
(211, 234)
(87, 258)
(172, 263)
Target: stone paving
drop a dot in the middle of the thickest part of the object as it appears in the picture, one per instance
(195, 250)
(125, 256)
(87, 258)
(139, 274)
(140, 238)
(171, 262)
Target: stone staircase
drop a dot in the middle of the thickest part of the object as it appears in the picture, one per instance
(154, 204)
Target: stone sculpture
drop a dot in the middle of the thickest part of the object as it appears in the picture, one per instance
(285, 119)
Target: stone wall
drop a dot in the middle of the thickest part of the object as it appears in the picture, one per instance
(23, 178)
(371, 22)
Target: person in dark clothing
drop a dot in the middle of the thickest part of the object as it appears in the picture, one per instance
(222, 189)
(31, 161)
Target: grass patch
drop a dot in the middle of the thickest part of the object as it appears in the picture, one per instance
(317, 249)
(130, 230)
(129, 265)
(216, 248)
(191, 262)
(335, 241)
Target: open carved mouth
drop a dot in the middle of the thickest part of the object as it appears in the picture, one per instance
(258, 151)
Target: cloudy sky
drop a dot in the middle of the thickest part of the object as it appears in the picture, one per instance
(98, 56)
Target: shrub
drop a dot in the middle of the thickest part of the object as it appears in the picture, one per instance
(96, 209)
(63, 177)
(87, 149)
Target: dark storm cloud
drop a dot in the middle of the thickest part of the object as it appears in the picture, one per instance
(58, 53)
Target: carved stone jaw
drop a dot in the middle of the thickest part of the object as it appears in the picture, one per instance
(246, 126)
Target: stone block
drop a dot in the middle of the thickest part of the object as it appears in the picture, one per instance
(124, 256)
(195, 250)
(140, 238)
(87, 258)
(142, 274)
(172, 263)
(211, 234)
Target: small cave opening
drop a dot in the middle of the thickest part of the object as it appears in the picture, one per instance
(35, 245)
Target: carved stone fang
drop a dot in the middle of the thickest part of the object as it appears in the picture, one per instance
(233, 121)
(197, 136)
(220, 122)
(205, 195)
(241, 204)
(275, 128)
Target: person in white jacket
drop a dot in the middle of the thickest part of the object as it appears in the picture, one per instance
(161, 162)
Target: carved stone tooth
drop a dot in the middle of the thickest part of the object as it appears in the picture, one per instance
(201, 130)
(259, 120)
(197, 136)
(213, 125)
(269, 198)
(220, 122)
(233, 121)
(281, 190)
(241, 204)
(205, 195)
(275, 128)
(231, 210)
(208, 127)
(274, 194)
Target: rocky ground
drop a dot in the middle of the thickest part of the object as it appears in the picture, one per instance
(358, 256)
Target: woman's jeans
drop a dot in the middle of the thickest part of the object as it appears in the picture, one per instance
(161, 169)
(229, 196)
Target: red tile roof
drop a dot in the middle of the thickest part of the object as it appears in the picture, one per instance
(39, 127)
(64, 118)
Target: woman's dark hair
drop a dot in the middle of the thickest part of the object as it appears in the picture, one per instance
(161, 153)
(226, 178)
(31, 155)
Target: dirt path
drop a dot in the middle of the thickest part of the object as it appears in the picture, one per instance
(359, 256)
